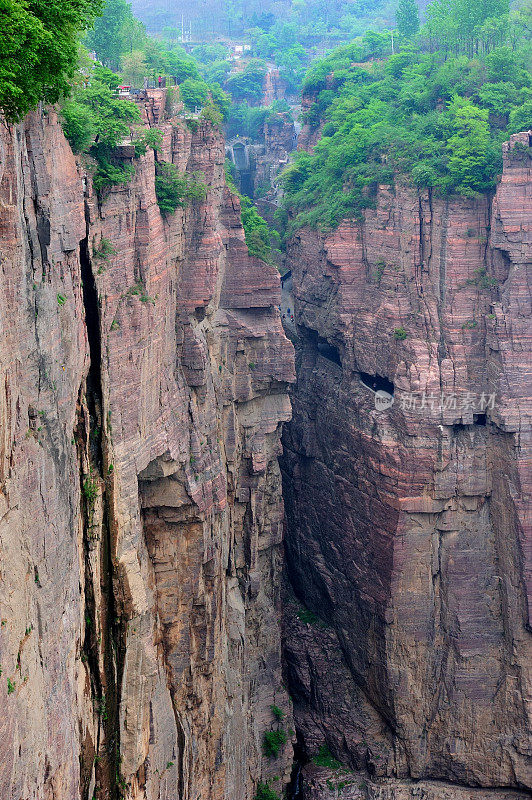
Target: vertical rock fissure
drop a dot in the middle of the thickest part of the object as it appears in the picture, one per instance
(443, 250)
(102, 634)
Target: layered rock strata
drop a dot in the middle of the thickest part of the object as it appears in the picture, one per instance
(143, 375)
(408, 524)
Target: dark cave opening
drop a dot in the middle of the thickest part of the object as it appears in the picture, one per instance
(329, 351)
(478, 419)
(324, 348)
(376, 382)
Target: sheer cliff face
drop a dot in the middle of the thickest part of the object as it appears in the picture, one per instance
(143, 374)
(408, 529)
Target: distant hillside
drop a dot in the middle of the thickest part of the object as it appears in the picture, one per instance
(313, 18)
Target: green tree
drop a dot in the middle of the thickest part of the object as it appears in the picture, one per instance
(462, 24)
(220, 99)
(107, 36)
(247, 85)
(176, 190)
(39, 50)
(78, 125)
(407, 18)
(95, 120)
(105, 76)
(521, 118)
(194, 93)
(217, 71)
(134, 68)
(468, 147)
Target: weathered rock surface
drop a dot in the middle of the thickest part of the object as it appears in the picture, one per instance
(408, 527)
(273, 88)
(143, 375)
(318, 783)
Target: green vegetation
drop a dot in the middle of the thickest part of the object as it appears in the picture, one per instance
(244, 120)
(400, 334)
(10, 686)
(90, 493)
(281, 44)
(90, 489)
(176, 190)
(272, 742)
(309, 22)
(261, 240)
(151, 138)
(258, 234)
(309, 617)
(122, 44)
(324, 758)
(139, 290)
(247, 85)
(102, 708)
(482, 279)
(434, 113)
(95, 121)
(103, 250)
(278, 713)
(114, 32)
(407, 18)
(265, 793)
(194, 93)
(460, 25)
(39, 50)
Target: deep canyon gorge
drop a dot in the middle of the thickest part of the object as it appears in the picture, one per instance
(206, 522)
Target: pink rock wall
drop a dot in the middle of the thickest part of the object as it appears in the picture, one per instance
(143, 375)
(408, 528)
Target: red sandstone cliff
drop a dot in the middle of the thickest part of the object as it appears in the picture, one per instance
(273, 87)
(143, 374)
(408, 529)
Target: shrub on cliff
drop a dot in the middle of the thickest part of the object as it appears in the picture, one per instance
(39, 50)
(272, 742)
(265, 793)
(324, 758)
(78, 126)
(262, 242)
(175, 189)
(110, 116)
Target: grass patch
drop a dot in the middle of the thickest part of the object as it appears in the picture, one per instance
(324, 758)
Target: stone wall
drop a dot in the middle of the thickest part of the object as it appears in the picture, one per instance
(143, 377)
(408, 525)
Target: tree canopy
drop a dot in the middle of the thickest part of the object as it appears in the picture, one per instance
(407, 18)
(109, 37)
(39, 50)
(435, 116)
